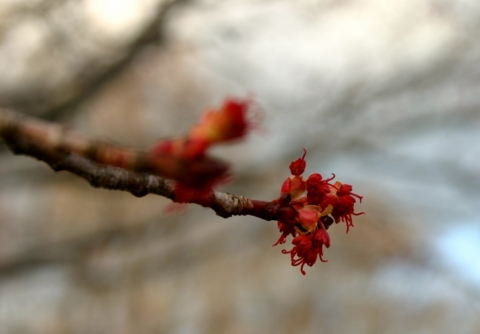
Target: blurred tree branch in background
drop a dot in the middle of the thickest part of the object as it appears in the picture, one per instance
(79, 59)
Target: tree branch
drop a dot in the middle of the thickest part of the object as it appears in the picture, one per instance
(69, 151)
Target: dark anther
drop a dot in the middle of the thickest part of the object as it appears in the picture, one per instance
(301, 228)
(327, 221)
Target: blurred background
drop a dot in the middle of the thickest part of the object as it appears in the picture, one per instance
(385, 94)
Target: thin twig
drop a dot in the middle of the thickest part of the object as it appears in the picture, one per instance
(65, 150)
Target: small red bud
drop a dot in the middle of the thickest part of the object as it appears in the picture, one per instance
(297, 167)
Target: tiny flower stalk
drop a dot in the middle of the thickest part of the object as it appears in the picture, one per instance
(318, 204)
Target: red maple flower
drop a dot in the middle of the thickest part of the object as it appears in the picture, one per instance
(185, 159)
(323, 204)
(308, 248)
(318, 188)
(345, 201)
(232, 121)
(286, 230)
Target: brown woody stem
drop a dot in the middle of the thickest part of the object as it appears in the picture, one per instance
(108, 166)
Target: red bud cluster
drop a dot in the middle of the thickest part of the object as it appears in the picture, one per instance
(194, 170)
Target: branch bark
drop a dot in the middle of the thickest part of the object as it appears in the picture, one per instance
(65, 150)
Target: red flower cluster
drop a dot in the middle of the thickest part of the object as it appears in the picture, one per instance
(194, 170)
(322, 205)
